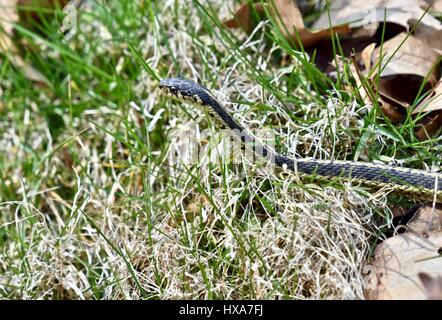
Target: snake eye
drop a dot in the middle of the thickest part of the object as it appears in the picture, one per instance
(173, 90)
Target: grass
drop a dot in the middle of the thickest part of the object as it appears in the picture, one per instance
(96, 201)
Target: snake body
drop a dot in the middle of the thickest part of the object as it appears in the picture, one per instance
(414, 182)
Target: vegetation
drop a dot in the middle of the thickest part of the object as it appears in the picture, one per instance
(96, 202)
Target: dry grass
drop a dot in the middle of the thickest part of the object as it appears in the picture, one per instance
(129, 221)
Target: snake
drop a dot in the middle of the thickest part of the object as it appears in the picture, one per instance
(412, 182)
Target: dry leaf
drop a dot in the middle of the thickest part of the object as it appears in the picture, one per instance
(391, 109)
(426, 219)
(244, 17)
(288, 18)
(364, 17)
(2, 106)
(430, 125)
(30, 16)
(358, 75)
(430, 36)
(433, 102)
(324, 51)
(360, 85)
(8, 16)
(360, 13)
(433, 286)
(290, 22)
(366, 55)
(412, 58)
(436, 8)
(397, 263)
(403, 72)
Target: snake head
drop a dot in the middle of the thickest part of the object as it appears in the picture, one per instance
(178, 87)
(183, 89)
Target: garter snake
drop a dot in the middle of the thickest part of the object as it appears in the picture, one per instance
(417, 183)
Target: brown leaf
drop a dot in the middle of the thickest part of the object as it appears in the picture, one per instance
(360, 13)
(430, 125)
(436, 7)
(414, 57)
(325, 53)
(290, 22)
(403, 71)
(432, 285)
(365, 17)
(8, 16)
(433, 102)
(33, 12)
(430, 36)
(244, 17)
(366, 55)
(391, 109)
(426, 219)
(288, 19)
(397, 263)
(361, 86)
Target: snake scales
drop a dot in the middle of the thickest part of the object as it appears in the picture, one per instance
(417, 183)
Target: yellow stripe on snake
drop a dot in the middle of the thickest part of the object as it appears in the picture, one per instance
(413, 182)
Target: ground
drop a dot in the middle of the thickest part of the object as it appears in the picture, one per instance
(96, 201)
